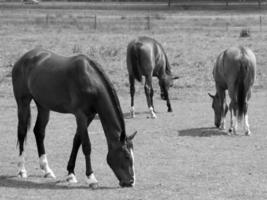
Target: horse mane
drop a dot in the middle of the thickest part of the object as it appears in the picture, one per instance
(112, 93)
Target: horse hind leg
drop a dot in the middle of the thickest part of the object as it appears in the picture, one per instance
(149, 96)
(233, 119)
(24, 117)
(132, 92)
(39, 132)
(246, 124)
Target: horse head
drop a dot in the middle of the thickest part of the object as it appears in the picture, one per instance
(121, 160)
(220, 109)
(165, 83)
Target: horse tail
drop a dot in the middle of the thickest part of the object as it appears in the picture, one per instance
(135, 60)
(241, 91)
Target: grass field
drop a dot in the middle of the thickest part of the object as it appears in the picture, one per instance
(177, 156)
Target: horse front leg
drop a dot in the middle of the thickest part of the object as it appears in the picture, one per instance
(168, 102)
(82, 137)
(71, 178)
(39, 132)
(149, 96)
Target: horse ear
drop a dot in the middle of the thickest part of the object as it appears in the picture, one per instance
(130, 137)
(212, 96)
(175, 77)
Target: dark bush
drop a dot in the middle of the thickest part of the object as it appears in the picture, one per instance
(245, 32)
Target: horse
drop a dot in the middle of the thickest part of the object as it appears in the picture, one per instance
(235, 71)
(75, 85)
(146, 57)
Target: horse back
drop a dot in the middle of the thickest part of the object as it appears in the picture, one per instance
(145, 56)
(58, 83)
(234, 64)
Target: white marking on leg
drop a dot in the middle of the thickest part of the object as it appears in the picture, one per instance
(133, 166)
(152, 113)
(247, 130)
(71, 178)
(132, 113)
(91, 181)
(231, 129)
(21, 167)
(45, 167)
(222, 126)
(235, 123)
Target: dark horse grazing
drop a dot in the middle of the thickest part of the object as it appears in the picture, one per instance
(234, 70)
(74, 85)
(146, 57)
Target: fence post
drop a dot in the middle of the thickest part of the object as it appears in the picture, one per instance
(47, 19)
(95, 23)
(169, 3)
(260, 23)
(227, 3)
(259, 3)
(148, 22)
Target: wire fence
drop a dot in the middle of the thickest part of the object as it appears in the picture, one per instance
(155, 22)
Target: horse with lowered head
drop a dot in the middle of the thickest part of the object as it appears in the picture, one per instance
(235, 71)
(76, 85)
(146, 57)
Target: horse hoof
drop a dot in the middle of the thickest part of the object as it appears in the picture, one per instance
(91, 181)
(169, 110)
(154, 116)
(93, 185)
(71, 178)
(232, 131)
(248, 133)
(50, 174)
(22, 174)
(132, 113)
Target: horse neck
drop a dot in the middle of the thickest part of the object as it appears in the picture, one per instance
(167, 67)
(110, 114)
(108, 108)
(110, 118)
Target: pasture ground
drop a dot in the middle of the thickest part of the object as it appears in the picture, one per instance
(177, 156)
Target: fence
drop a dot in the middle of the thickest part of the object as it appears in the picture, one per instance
(153, 22)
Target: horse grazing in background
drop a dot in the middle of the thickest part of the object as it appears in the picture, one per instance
(235, 70)
(146, 57)
(74, 85)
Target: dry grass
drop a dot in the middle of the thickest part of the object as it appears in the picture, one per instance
(179, 155)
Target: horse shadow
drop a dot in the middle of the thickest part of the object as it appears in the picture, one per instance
(202, 132)
(15, 182)
(127, 115)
